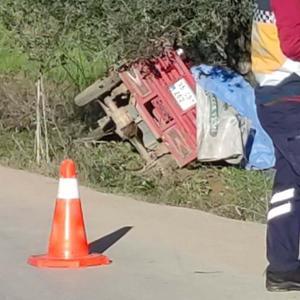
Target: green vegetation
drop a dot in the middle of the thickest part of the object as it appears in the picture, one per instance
(73, 43)
(118, 31)
(114, 167)
(12, 60)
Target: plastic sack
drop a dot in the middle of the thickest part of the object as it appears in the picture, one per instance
(221, 133)
(234, 90)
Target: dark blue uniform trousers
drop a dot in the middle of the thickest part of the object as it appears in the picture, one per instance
(281, 119)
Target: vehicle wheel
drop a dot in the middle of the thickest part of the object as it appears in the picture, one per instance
(98, 89)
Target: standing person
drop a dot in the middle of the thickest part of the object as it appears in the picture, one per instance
(276, 66)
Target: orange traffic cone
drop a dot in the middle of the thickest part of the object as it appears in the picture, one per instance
(68, 246)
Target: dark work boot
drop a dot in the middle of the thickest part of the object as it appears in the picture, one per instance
(283, 281)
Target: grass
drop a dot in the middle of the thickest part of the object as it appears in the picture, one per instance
(116, 168)
(81, 67)
(76, 65)
(12, 60)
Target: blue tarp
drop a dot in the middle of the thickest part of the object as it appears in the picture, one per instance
(234, 90)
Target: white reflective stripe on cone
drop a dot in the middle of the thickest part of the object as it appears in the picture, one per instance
(280, 210)
(282, 196)
(68, 188)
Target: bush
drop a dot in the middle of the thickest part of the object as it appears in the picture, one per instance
(212, 31)
(59, 37)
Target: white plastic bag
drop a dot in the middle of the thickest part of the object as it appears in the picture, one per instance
(221, 133)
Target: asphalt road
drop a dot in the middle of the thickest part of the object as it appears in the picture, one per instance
(158, 252)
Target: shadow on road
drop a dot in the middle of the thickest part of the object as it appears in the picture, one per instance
(102, 244)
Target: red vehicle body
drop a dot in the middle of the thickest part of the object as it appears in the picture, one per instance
(162, 96)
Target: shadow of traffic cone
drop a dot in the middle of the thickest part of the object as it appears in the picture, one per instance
(68, 247)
